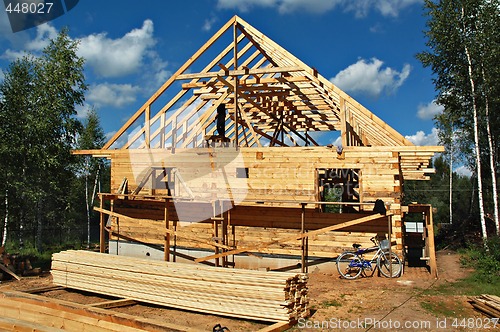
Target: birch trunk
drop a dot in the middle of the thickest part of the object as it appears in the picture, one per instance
(6, 220)
(492, 161)
(476, 147)
(476, 134)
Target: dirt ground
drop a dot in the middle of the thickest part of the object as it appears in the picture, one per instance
(367, 304)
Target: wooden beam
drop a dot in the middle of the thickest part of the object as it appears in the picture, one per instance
(9, 272)
(186, 235)
(240, 72)
(295, 237)
(277, 327)
(113, 304)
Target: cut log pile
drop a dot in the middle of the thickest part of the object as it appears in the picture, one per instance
(14, 266)
(487, 304)
(248, 294)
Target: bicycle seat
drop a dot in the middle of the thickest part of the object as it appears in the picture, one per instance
(356, 245)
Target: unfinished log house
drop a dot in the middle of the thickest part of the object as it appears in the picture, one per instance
(224, 158)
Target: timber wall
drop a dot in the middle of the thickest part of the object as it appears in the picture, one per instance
(274, 174)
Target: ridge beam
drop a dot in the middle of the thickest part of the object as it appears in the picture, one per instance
(240, 72)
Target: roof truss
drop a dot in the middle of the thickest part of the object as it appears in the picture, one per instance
(272, 98)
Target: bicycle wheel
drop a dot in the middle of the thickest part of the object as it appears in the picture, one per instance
(384, 265)
(349, 265)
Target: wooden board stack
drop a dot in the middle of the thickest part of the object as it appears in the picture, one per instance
(27, 312)
(487, 304)
(248, 294)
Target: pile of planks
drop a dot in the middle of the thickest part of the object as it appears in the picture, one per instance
(487, 304)
(27, 312)
(258, 295)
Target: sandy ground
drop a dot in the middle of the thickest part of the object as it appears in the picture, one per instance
(367, 304)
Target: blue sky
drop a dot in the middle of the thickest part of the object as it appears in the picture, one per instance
(365, 47)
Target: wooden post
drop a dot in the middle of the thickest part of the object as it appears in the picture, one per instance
(167, 234)
(235, 64)
(429, 224)
(175, 242)
(147, 127)
(111, 208)
(224, 232)
(389, 221)
(102, 230)
(303, 240)
(174, 134)
(162, 130)
(215, 230)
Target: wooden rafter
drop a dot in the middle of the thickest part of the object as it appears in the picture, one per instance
(261, 84)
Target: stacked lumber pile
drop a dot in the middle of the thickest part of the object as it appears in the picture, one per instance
(258, 295)
(27, 312)
(487, 304)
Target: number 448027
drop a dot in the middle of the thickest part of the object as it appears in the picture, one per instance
(29, 8)
(475, 323)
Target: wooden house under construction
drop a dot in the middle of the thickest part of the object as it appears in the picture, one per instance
(223, 161)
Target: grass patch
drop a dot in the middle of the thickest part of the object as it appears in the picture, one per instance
(331, 303)
(470, 286)
(442, 309)
(485, 260)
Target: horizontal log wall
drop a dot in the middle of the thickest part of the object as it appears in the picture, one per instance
(273, 173)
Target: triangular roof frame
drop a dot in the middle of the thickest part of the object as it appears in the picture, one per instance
(279, 101)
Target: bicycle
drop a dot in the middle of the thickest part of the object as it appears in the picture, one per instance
(352, 264)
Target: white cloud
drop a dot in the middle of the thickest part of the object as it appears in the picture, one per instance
(462, 170)
(371, 78)
(209, 22)
(156, 69)
(245, 5)
(82, 111)
(44, 33)
(360, 8)
(116, 95)
(110, 134)
(118, 57)
(422, 139)
(429, 111)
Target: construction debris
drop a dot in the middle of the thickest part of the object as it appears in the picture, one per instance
(248, 294)
(487, 304)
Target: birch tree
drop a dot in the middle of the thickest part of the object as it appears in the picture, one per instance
(463, 52)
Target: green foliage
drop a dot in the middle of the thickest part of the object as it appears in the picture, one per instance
(333, 195)
(485, 259)
(38, 129)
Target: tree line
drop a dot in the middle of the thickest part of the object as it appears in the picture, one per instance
(45, 188)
